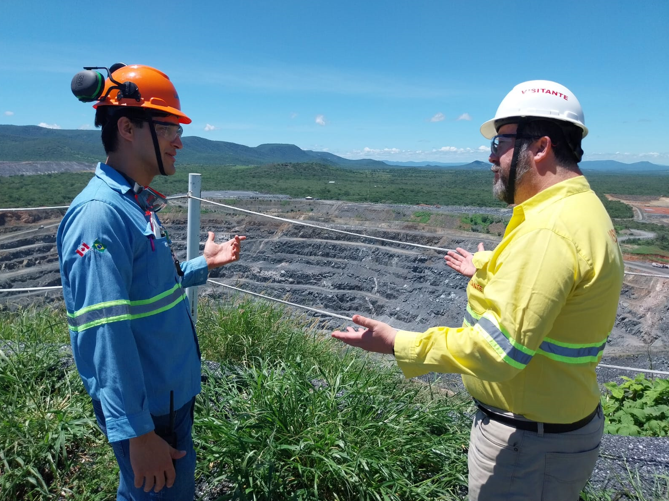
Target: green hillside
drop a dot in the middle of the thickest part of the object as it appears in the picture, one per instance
(32, 143)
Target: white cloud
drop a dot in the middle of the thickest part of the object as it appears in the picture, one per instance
(320, 120)
(49, 126)
(442, 154)
(9, 113)
(465, 116)
(293, 115)
(85, 127)
(209, 127)
(382, 151)
(438, 117)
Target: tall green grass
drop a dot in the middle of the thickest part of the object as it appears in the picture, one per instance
(285, 414)
(49, 443)
(291, 415)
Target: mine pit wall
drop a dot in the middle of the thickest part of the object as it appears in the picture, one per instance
(409, 287)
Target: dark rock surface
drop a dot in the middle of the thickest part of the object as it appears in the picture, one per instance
(408, 287)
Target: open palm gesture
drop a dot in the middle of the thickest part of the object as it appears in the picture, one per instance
(461, 261)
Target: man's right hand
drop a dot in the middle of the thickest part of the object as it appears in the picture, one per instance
(376, 336)
(151, 460)
(461, 261)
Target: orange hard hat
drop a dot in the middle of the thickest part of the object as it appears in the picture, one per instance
(156, 91)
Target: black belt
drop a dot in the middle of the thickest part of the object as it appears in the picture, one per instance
(534, 426)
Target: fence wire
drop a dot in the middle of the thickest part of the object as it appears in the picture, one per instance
(296, 305)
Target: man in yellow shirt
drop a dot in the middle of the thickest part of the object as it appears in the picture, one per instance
(540, 308)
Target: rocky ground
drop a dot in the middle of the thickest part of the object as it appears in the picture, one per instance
(408, 287)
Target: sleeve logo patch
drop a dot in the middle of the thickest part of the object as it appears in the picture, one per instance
(98, 246)
(83, 249)
(612, 234)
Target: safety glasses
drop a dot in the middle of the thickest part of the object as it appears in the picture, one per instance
(149, 199)
(167, 130)
(495, 143)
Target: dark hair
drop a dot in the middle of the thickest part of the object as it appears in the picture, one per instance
(107, 117)
(566, 138)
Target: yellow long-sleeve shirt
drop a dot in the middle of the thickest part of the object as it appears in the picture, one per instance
(540, 308)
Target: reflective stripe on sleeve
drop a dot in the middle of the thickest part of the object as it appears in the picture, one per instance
(518, 355)
(513, 353)
(116, 311)
(572, 353)
(470, 319)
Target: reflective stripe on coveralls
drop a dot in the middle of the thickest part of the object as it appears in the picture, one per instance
(116, 311)
(518, 356)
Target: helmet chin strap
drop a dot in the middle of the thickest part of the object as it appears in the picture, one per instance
(156, 146)
(511, 185)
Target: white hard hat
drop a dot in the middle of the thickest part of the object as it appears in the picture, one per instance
(540, 99)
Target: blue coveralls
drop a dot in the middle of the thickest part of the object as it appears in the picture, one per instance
(132, 335)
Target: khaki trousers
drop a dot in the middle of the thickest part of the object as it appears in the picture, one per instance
(512, 465)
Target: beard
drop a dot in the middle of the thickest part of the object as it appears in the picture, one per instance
(501, 189)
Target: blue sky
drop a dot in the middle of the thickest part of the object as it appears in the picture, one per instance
(391, 80)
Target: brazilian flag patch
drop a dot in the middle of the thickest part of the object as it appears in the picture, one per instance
(98, 246)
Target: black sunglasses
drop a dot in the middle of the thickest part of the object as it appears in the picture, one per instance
(494, 144)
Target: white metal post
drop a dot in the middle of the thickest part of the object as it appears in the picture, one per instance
(193, 236)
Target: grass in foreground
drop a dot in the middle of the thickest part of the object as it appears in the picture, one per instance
(284, 414)
(49, 442)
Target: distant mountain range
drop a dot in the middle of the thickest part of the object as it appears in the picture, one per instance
(424, 164)
(588, 165)
(32, 143)
(613, 166)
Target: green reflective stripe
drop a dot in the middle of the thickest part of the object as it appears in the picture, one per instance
(499, 339)
(119, 302)
(98, 306)
(120, 318)
(470, 317)
(498, 349)
(475, 315)
(491, 318)
(572, 353)
(95, 316)
(518, 355)
(574, 345)
(572, 360)
(156, 298)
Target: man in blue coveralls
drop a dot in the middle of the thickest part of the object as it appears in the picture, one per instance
(131, 330)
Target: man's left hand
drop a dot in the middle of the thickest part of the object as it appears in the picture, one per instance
(218, 255)
(376, 336)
